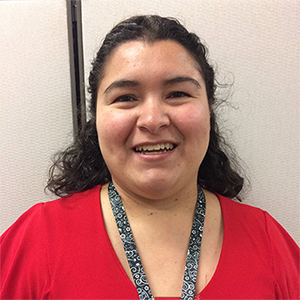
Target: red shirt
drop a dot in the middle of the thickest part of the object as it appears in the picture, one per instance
(60, 250)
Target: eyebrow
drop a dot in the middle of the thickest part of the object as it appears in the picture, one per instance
(180, 79)
(121, 83)
(132, 83)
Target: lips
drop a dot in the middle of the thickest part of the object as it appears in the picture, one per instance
(155, 148)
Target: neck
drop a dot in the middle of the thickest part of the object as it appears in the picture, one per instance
(181, 204)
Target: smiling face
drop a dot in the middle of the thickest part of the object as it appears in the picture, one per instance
(153, 118)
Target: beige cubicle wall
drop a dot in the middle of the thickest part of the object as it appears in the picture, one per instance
(35, 100)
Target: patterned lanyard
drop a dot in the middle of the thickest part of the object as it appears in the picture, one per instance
(134, 261)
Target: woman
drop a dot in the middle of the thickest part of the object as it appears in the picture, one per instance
(147, 182)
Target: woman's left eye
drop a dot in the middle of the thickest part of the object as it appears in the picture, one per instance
(178, 95)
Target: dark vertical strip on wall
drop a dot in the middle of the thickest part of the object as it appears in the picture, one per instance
(76, 63)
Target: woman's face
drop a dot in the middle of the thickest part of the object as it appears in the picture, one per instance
(153, 119)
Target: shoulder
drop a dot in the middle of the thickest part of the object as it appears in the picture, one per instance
(242, 215)
(238, 207)
(70, 206)
(29, 222)
(268, 246)
(258, 226)
(34, 220)
(24, 244)
(40, 237)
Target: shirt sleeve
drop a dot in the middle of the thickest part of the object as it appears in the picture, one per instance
(24, 265)
(285, 255)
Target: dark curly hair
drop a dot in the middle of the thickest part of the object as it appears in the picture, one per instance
(81, 166)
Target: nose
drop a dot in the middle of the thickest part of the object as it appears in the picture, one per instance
(153, 115)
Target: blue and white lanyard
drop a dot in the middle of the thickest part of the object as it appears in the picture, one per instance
(134, 261)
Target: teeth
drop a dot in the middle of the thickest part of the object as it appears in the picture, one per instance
(157, 147)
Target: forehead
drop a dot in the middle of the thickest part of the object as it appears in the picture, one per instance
(139, 58)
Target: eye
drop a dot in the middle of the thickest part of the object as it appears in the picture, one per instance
(178, 95)
(125, 98)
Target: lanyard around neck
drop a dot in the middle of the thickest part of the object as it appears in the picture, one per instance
(134, 261)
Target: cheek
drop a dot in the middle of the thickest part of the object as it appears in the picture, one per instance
(195, 122)
(113, 129)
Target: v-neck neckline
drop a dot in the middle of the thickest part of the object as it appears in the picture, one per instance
(131, 284)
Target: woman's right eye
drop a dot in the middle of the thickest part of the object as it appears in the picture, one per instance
(124, 98)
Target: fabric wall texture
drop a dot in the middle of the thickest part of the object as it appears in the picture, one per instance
(35, 100)
(254, 44)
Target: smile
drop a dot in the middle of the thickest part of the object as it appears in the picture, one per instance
(155, 149)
